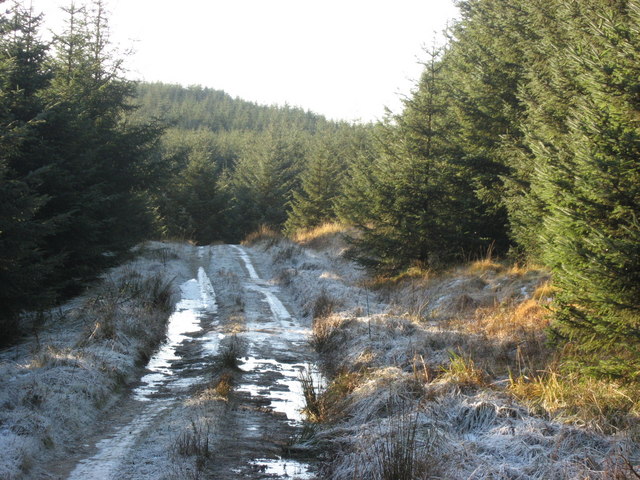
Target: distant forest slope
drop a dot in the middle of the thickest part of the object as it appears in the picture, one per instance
(233, 166)
(197, 107)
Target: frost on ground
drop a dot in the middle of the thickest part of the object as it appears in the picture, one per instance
(55, 386)
(405, 399)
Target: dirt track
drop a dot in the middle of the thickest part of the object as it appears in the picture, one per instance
(160, 428)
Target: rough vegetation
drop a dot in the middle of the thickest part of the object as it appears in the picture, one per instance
(448, 375)
(58, 383)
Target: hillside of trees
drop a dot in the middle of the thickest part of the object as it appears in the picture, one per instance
(521, 137)
(234, 166)
(93, 163)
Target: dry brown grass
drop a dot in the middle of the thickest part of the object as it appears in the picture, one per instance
(319, 236)
(513, 322)
(331, 402)
(224, 385)
(485, 265)
(418, 276)
(263, 233)
(545, 292)
(601, 404)
(463, 371)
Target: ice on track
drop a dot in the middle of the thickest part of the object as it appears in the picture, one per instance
(197, 299)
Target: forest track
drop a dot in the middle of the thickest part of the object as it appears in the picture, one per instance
(226, 306)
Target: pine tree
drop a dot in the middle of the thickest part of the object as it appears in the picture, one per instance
(191, 204)
(486, 67)
(265, 176)
(97, 166)
(421, 206)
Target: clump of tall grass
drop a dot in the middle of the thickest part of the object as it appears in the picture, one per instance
(230, 353)
(604, 405)
(402, 453)
(194, 440)
(320, 236)
(310, 390)
(265, 234)
(463, 371)
(224, 385)
(327, 405)
(323, 306)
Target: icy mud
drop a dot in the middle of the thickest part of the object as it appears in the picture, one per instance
(395, 404)
(175, 421)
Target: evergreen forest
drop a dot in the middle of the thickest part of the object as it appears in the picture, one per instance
(521, 137)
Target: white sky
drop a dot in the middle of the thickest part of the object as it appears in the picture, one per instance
(346, 59)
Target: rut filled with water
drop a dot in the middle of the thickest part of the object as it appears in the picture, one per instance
(225, 302)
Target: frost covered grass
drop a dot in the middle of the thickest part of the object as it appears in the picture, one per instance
(56, 385)
(448, 369)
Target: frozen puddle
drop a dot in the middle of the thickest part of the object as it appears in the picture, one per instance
(275, 335)
(197, 300)
(283, 468)
(285, 395)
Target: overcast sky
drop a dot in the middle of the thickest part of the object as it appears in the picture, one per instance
(345, 59)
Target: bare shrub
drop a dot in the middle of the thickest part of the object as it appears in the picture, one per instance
(323, 305)
(194, 440)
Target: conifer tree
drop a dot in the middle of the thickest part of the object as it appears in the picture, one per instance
(98, 166)
(22, 76)
(421, 204)
(486, 66)
(320, 182)
(265, 176)
(588, 175)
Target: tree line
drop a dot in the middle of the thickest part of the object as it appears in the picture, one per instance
(235, 166)
(92, 163)
(521, 136)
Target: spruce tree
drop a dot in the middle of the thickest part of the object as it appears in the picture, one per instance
(589, 177)
(421, 205)
(264, 178)
(23, 268)
(313, 204)
(97, 166)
